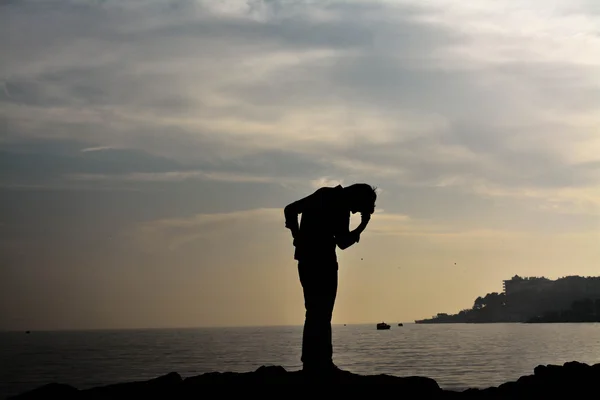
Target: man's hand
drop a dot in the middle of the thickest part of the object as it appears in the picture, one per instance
(365, 218)
(348, 239)
(295, 233)
(295, 236)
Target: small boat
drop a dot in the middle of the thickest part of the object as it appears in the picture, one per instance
(400, 324)
(382, 326)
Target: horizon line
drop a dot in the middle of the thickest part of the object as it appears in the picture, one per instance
(183, 327)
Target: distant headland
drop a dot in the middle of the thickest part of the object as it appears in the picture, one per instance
(531, 300)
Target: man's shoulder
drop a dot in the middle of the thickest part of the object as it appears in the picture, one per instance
(328, 190)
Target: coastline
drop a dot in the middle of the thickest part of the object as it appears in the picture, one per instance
(570, 299)
(571, 378)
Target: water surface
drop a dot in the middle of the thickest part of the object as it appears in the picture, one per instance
(456, 355)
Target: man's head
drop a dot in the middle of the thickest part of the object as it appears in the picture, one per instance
(361, 198)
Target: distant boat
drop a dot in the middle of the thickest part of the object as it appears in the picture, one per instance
(382, 326)
(400, 324)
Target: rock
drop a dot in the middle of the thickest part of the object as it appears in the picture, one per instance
(163, 385)
(571, 379)
(278, 375)
(50, 391)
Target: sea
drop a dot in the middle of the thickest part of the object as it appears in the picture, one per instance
(457, 356)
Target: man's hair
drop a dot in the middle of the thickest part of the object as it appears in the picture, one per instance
(364, 193)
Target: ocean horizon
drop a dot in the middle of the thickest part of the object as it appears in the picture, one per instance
(457, 356)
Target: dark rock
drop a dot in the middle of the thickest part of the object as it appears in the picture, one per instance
(574, 368)
(548, 372)
(572, 379)
(49, 391)
(278, 375)
(162, 385)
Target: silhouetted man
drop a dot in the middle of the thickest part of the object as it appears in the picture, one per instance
(325, 224)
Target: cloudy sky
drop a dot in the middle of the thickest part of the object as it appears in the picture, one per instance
(147, 149)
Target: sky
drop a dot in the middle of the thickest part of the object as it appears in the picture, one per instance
(147, 150)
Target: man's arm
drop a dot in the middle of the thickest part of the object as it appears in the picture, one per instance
(292, 210)
(347, 238)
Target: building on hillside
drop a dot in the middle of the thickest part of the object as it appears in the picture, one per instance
(518, 284)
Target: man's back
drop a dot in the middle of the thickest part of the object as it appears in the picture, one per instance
(324, 215)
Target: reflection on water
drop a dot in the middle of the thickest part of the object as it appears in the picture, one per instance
(456, 355)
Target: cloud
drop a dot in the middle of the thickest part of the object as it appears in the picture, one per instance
(46, 163)
(173, 233)
(565, 200)
(205, 219)
(173, 176)
(401, 94)
(5, 89)
(188, 125)
(325, 181)
(97, 148)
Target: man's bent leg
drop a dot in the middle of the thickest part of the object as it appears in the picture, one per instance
(319, 282)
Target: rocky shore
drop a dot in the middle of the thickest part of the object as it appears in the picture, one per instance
(573, 379)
